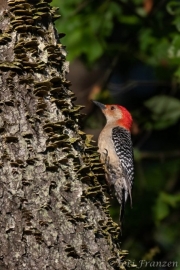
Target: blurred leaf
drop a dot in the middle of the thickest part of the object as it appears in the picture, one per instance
(177, 73)
(160, 51)
(86, 27)
(164, 201)
(161, 210)
(165, 110)
(146, 38)
(173, 7)
(171, 200)
(176, 22)
(129, 19)
(174, 49)
(167, 236)
(137, 154)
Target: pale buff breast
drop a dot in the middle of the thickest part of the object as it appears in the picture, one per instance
(106, 147)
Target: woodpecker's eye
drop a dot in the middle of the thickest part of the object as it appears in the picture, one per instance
(112, 108)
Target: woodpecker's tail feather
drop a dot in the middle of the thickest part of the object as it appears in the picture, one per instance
(121, 214)
(122, 207)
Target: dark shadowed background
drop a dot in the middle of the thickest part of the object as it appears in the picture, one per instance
(128, 52)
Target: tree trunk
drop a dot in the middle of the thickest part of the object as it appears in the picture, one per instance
(53, 210)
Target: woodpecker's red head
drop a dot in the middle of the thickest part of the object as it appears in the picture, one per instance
(116, 114)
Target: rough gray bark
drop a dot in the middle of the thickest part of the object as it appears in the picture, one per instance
(53, 211)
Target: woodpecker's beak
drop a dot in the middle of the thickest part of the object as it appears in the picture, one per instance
(100, 105)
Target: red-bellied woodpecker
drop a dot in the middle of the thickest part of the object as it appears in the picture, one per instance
(116, 151)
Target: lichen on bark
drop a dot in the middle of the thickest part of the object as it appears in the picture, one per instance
(53, 209)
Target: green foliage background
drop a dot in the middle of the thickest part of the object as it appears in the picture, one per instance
(125, 29)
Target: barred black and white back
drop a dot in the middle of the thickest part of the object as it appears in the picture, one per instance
(123, 146)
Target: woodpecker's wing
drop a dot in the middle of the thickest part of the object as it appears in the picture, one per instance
(123, 146)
